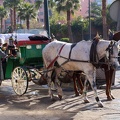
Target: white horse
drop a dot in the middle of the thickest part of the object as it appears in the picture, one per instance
(77, 59)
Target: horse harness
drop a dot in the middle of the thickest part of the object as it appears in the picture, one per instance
(93, 55)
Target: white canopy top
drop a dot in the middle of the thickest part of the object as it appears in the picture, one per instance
(19, 36)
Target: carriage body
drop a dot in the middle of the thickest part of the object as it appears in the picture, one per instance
(21, 67)
(29, 54)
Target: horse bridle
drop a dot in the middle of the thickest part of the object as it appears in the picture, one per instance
(110, 50)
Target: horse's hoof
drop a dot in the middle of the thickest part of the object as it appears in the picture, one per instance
(109, 98)
(100, 104)
(112, 97)
(60, 97)
(77, 94)
(86, 101)
(81, 92)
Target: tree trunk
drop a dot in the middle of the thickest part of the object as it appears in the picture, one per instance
(1, 24)
(69, 26)
(104, 19)
(27, 23)
(14, 28)
(11, 19)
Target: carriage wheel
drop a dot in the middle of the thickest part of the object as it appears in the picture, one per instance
(19, 80)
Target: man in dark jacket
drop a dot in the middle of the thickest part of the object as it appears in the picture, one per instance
(2, 57)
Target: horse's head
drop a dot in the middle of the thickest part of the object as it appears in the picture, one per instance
(113, 50)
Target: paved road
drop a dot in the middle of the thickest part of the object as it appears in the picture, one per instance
(36, 104)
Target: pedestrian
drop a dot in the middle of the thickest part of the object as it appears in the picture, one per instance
(1, 42)
(2, 57)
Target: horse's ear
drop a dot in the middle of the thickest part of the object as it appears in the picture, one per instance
(52, 37)
(97, 37)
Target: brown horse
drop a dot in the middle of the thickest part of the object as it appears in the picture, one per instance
(78, 81)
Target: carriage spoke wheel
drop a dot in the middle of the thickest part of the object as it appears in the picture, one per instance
(19, 80)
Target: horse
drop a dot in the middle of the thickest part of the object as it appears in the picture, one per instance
(76, 58)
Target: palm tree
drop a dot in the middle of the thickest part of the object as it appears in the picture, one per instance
(3, 13)
(104, 19)
(68, 6)
(12, 5)
(26, 11)
(38, 3)
(95, 10)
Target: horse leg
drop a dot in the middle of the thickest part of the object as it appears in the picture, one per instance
(75, 84)
(108, 75)
(80, 83)
(110, 83)
(91, 76)
(85, 92)
(49, 85)
(58, 84)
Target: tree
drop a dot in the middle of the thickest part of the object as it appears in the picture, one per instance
(97, 19)
(26, 11)
(38, 3)
(12, 5)
(95, 10)
(68, 6)
(3, 13)
(104, 19)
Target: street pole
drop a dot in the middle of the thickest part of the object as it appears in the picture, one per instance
(46, 17)
(89, 19)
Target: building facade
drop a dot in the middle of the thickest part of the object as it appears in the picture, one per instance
(85, 6)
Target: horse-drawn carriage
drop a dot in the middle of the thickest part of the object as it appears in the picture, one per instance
(23, 66)
(26, 64)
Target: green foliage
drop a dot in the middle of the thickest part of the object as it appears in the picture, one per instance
(26, 12)
(3, 12)
(57, 18)
(95, 9)
(79, 27)
(64, 39)
(66, 5)
(8, 30)
(59, 30)
(38, 3)
(11, 3)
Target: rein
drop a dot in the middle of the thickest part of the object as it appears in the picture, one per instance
(55, 58)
